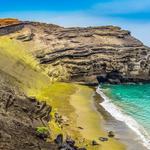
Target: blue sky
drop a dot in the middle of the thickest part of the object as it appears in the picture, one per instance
(133, 15)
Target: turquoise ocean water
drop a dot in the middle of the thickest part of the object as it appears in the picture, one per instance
(131, 104)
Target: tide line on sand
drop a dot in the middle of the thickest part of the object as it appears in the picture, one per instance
(116, 112)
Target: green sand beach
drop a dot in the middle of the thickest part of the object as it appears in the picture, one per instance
(76, 103)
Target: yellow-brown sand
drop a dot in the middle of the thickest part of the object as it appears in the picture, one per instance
(75, 102)
(90, 119)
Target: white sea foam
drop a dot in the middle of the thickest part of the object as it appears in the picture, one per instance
(116, 112)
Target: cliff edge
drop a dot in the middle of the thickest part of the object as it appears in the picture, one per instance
(106, 53)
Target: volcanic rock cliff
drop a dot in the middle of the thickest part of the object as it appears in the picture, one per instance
(19, 117)
(106, 53)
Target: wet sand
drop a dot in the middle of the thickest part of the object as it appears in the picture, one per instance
(90, 119)
(122, 132)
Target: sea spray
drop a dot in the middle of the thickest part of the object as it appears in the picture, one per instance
(118, 114)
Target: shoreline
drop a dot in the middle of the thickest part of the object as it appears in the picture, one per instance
(120, 127)
(83, 122)
(91, 120)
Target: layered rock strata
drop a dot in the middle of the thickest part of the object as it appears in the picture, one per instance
(106, 53)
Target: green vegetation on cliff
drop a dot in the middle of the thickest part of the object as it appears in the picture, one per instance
(17, 62)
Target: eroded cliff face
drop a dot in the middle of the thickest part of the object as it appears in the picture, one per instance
(19, 118)
(84, 55)
(21, 115)
(10, 25)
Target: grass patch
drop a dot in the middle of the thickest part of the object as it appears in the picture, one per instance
(42, 130)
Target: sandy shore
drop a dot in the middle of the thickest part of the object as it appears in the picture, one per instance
(83, 122)
(122, 131)
(90, 119)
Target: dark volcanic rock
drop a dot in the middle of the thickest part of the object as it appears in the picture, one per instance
(66, 144)
(94, 143)
(70, 142)
(103, 139)
(111, 134)
(19, 116)
(11, 28)
(59, 139)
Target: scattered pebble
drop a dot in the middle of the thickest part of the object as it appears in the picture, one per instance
(103, 139)
(66, 144)
(94, 143)
(59, 139)
(80, 128)
(111, 134)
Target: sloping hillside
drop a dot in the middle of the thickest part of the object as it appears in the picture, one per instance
(20, 114)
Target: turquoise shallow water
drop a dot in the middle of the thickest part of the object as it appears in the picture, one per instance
(133, 101)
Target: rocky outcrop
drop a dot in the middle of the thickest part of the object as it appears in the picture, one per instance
(19, 118)
(89, 53)
(106, 53)
(10, 25)
(8, 21)
(24, 121)
(11, 28)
